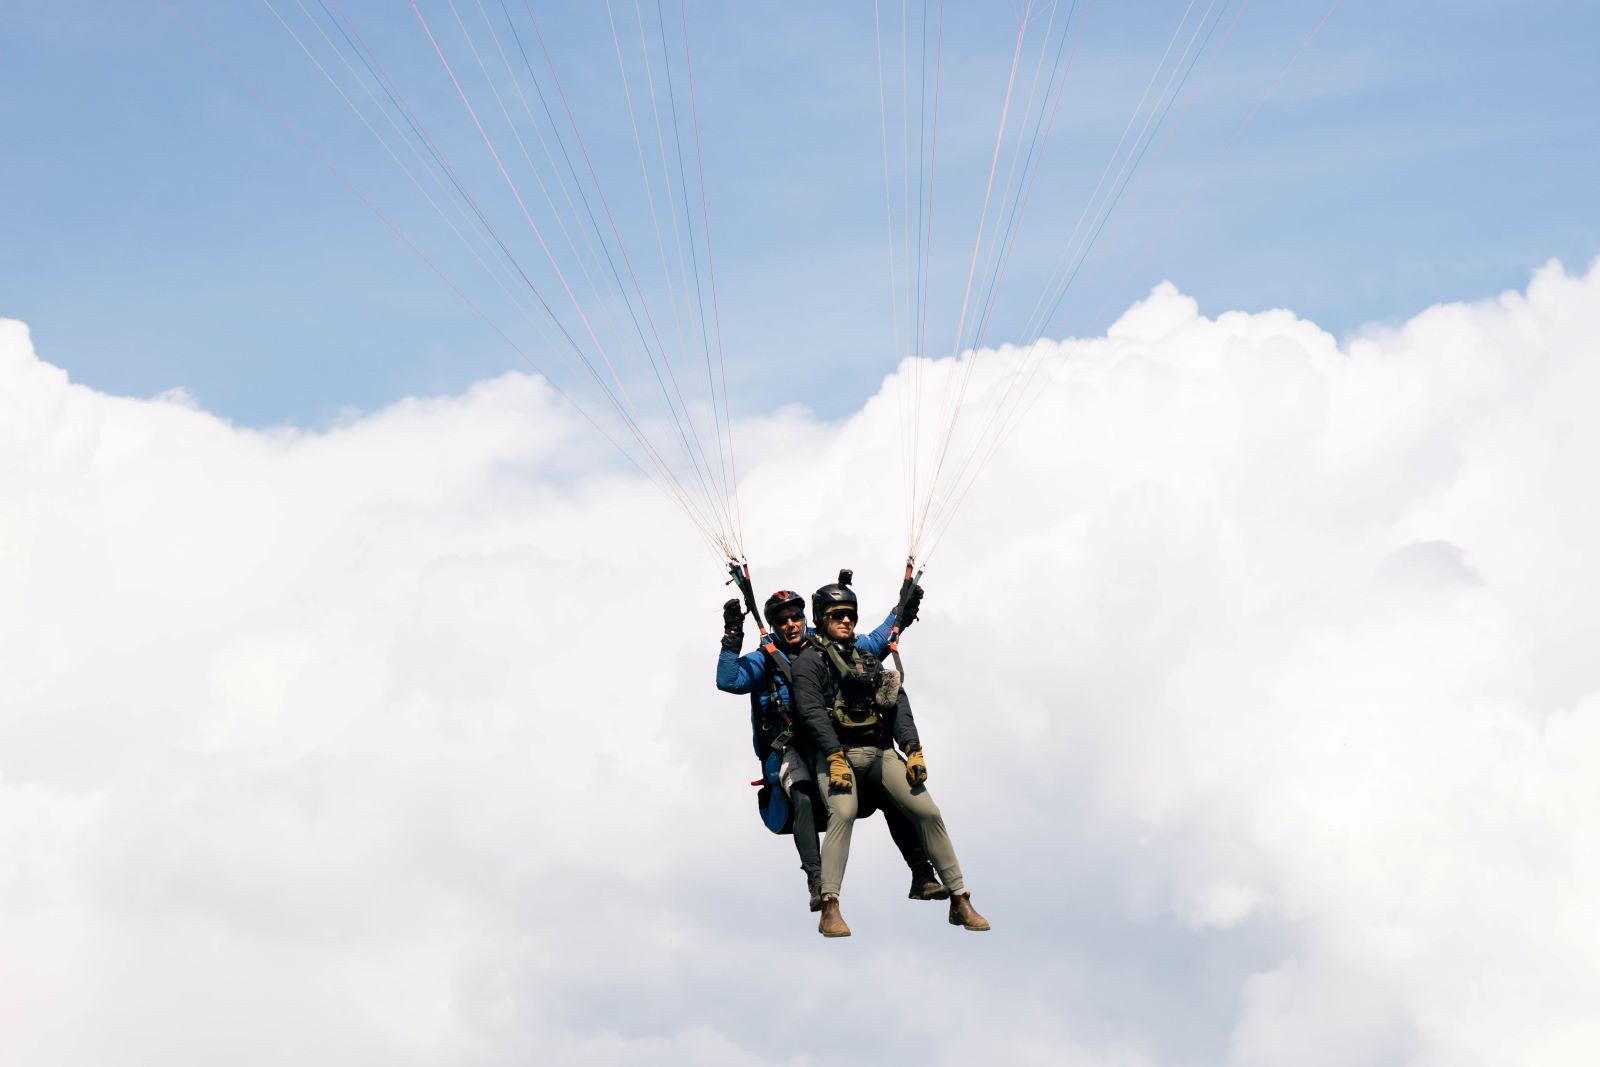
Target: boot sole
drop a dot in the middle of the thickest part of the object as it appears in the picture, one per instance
(835, 933)
(938, 894)
(968, 926)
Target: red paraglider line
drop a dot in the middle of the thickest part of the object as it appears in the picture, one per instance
(711, 268)
(1144, 176)
(577, 306)
(954, 409)
(1011, 420)
(560, 276)
(927, 255)
(1222, 152)
(1027, 195)
(605, 206)
(1005, 412)
(517, 194)
(366, 202)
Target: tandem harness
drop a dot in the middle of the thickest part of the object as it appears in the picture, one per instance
(772, 731)
(866, 690)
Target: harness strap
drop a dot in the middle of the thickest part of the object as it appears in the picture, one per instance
(836, 657)
(843, 670)
(907, 584)
(783, 739)
(779, 660)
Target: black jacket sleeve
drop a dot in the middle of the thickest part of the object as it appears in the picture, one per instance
(905, 725)
(813, 701)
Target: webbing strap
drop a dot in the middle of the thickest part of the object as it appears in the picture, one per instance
(835, 657)
(779, 660)
(907, 584)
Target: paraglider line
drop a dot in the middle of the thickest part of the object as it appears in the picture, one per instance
(528, 217)
(415, 250)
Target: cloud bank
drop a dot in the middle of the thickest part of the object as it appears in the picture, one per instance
(1257, 679)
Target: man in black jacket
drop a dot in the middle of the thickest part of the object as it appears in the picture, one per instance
(759, 675)
(853, 714)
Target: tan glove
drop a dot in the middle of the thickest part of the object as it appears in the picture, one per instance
(916, 768)
(839, 777)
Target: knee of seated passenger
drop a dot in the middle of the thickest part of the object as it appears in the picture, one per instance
(841, 806)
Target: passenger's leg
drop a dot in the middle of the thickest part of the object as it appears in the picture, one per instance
(841, 819)
(915, 802)
(835, 849)
(919, 807)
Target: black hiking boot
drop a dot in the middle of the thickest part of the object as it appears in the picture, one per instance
(814, 884)
(925, 885)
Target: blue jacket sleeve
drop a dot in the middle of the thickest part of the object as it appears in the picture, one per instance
(741, 674)
(877, 642)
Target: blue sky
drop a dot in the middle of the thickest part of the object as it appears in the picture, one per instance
(163, 230)
(318, 741)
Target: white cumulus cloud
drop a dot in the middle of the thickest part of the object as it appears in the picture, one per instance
(1256, 675)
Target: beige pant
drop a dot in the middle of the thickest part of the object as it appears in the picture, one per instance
(884, 771)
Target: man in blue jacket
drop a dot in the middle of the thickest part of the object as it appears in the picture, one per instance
(771, 704)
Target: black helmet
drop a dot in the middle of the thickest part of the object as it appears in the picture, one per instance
(831, 596)
(780, 600)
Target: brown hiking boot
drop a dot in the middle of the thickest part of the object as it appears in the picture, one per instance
(962, 913)
(832, 923)
(924, 886)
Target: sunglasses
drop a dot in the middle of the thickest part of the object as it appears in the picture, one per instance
(793, 616)
(840, 615)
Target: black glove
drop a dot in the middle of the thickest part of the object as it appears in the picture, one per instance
(913, 602)
(732, 626)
